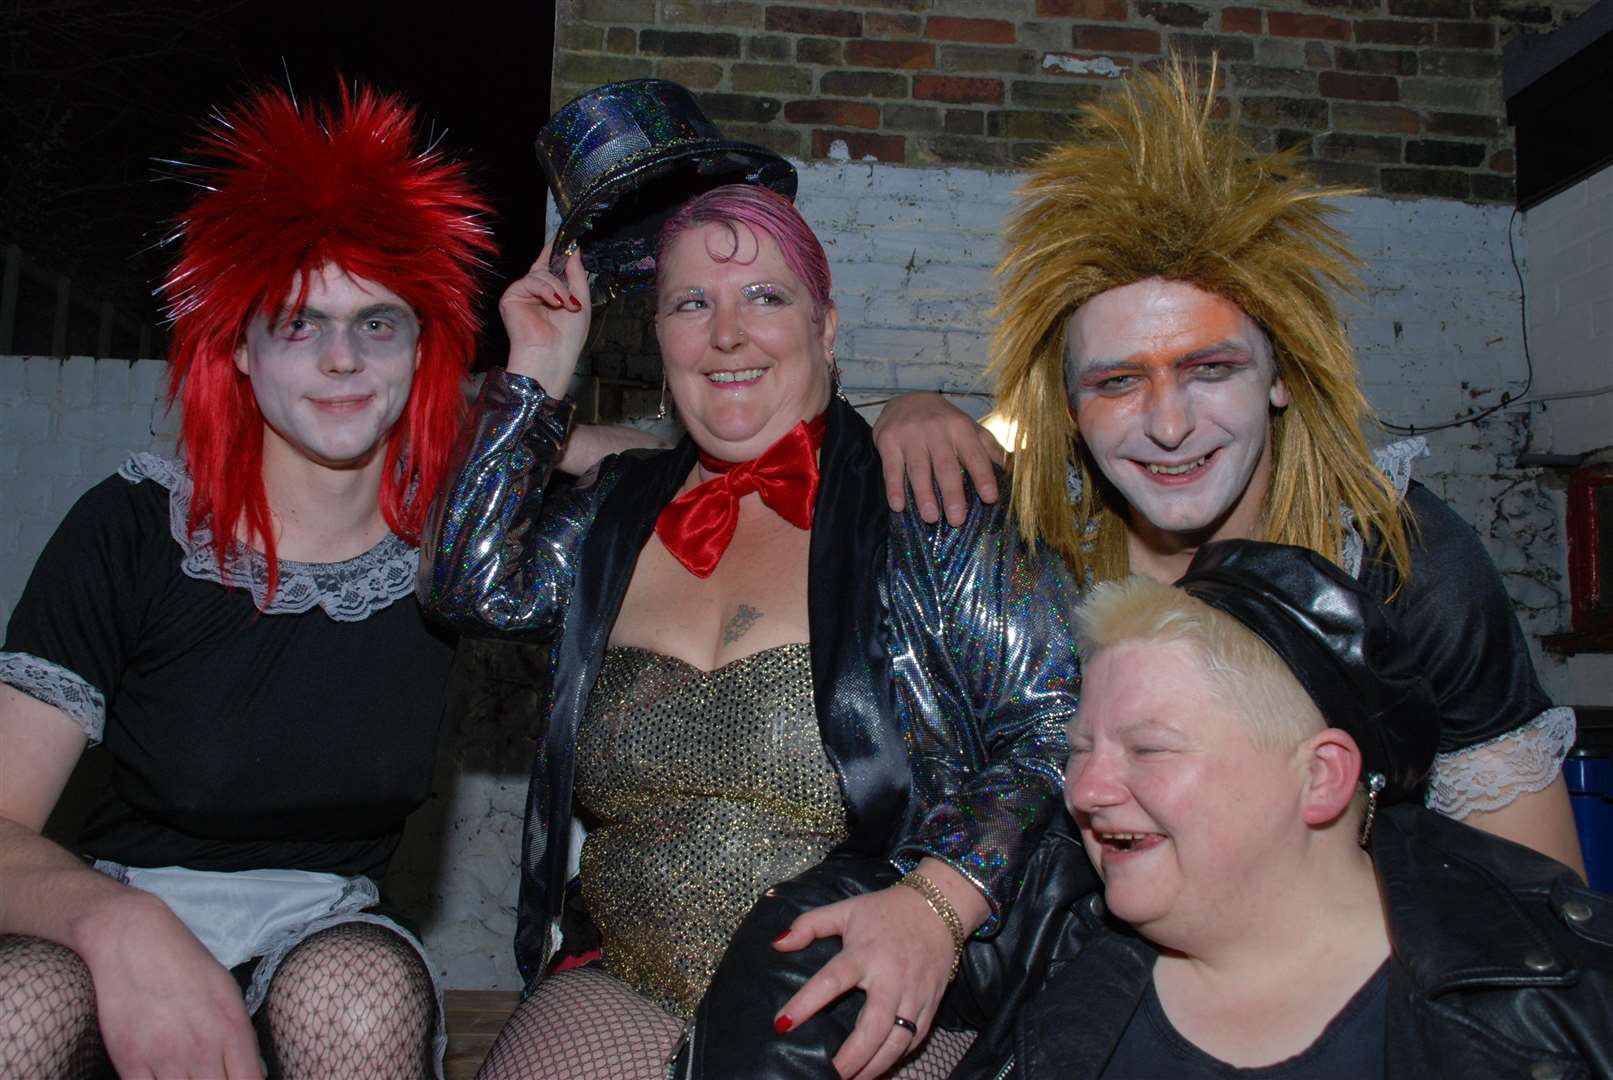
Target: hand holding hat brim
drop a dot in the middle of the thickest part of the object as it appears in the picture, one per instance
(547, 318)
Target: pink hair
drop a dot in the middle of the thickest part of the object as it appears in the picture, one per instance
(766, 212)
(288, 189)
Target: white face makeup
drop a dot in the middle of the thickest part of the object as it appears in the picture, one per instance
(333, 377)
(1179, 811)
(744, 359)
(1173, 389)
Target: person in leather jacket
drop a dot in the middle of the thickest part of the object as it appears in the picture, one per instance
(1269, 898)
(911, 685)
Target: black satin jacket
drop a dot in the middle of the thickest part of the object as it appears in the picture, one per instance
(943, 668)
(1501, 966)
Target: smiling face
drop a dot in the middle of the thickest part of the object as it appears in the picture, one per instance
(744, 359)
(333, 377)
(1172, 389)
(1183, 816)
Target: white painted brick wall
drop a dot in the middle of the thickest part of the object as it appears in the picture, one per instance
(912, 252)
(1570, 279)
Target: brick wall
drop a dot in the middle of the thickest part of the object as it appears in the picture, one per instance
(1400, 97)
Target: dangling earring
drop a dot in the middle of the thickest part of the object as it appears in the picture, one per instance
(834, 378)
(1374, 783)
(660, 412)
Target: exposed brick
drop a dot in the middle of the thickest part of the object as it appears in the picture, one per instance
(1444, 183)
(744, 108)
(1356, 6)
(980, 31)
(861, 144)
(770, 79)
(885, 24)
(584, 70)
(616, 11)
(820, 51)
(1272, 140)
(781, 138)
(1064, 95)
(1488, 188)
(621, 40)
(1340, 146)
(960, 150)
(1442, 152)
(579, 37)
(1287, 80)
(1202, 46)
(954, 90)
(1385, 118)
(1465, 35)
(767, 47)
(1501, 161)
(695, 74)
(1394, 32)
(1338, 84)
(986, 59)
(1171, 13)
(920, 118)
(1535, 14)
(715, 13)
(1042, 36)
(1026, 151)
(1343, 174)
(1432, 9)
(1376, 61)
(903, 55)
(1453, 95)
(1221, 110)
(683, 43)
(1296, 24)
(1284, 112)
(1467, 125)
(1116, 39)
(1110, 10)
(797, 20)
(1025, 124)
(1318, 54)
(1085, 65)
(1236, 20)
(837, 113)
(965, 122)
(875, 84)
(1462, 65)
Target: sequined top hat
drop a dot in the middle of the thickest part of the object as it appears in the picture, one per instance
(622, 157)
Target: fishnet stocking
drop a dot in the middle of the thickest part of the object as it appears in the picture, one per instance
(48, 1029)
(583, 1024)
(353, 1001)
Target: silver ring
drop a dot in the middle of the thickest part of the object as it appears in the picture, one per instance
(908, 1025)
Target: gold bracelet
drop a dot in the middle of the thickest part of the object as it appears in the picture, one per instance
(943, 909)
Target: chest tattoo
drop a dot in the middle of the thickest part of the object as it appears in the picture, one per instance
(743, 620)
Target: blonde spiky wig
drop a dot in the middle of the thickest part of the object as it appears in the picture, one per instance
(1150, 189)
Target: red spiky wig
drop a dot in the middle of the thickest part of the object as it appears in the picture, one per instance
(287, 189)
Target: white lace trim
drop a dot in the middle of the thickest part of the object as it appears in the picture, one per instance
(348, 591)
(1394, 461)
(1492, 774)
(55, 685)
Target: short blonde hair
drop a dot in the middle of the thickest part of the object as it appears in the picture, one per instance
(1245, 674)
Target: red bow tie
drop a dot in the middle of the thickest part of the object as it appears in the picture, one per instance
(697, 526)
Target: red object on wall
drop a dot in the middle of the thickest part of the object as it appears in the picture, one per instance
(1590, 548)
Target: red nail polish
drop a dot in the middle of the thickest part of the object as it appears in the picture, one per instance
(781, 937)
(783, 1024)
(561, 300)
(576, 305)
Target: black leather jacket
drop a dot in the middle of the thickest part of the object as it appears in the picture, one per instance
(943, 669)
(1501, 966)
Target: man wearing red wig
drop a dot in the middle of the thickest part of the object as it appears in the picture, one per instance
(238, 630)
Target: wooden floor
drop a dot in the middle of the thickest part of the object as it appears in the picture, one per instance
(474, 1017)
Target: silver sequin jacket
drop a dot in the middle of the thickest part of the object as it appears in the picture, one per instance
(943, 665)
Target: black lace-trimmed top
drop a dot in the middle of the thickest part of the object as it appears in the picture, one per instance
(296, 738)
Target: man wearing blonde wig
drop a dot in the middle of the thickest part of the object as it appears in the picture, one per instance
(1169, 347)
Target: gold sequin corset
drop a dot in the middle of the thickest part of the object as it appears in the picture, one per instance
(705, 788)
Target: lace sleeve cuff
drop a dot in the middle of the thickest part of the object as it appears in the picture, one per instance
(55, 685)
(1492, 774)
